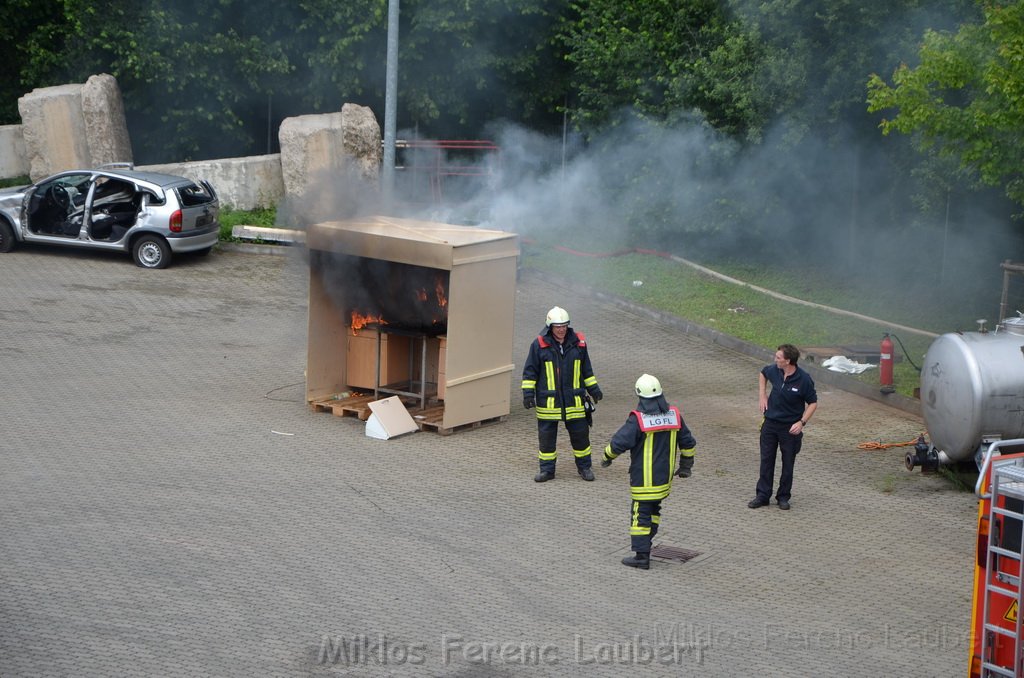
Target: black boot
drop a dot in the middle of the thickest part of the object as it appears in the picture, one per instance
(544, 476)
(640, 560)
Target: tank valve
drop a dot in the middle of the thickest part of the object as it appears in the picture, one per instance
(923, 455)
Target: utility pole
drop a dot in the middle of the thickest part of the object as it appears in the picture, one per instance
(390, 108)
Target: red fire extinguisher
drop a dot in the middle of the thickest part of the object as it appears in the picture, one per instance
(885, 364)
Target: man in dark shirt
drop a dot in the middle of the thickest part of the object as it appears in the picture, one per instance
(787, 409)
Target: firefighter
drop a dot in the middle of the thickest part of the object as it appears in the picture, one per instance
(652, 433)
(557, 379)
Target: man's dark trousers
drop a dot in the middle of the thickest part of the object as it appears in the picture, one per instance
(776, 435)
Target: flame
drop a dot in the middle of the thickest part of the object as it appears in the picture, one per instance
(421, 294)
(442, 300)
(359, 321)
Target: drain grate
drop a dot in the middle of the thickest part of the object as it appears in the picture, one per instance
(673, 553)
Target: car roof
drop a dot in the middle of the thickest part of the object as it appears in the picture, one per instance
(156, 178)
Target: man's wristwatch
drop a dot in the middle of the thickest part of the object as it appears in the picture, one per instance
(803, 423)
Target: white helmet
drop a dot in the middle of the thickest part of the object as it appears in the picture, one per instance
(557, 316)
(648, 386)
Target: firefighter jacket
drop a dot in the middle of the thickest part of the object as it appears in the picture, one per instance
(652, 437)
(558, 375)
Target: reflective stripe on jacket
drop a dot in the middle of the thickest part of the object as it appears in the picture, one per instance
(652, 440)
(558, 375)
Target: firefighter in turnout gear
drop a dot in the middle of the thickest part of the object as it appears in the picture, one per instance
(652, 434)
(557, 379)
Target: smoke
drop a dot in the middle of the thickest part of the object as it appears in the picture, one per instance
(839, 198)
(839, 206)
(330, 195)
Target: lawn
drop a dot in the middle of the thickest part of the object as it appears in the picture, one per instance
(739, 310)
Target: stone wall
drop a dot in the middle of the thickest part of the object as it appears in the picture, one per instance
(329, 164)
(246, 183)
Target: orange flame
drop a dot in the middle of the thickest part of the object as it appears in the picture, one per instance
(421, 294)
(442, 300)
(360, 321)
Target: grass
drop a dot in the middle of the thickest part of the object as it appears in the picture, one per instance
(229, 218)
(15, 181)
(756, 317)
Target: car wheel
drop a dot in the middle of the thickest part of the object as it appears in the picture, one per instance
(151, 251)
(6, 237)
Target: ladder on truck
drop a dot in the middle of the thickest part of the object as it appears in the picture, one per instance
(1004, 557)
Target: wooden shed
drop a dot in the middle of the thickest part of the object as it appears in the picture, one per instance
(415, 308)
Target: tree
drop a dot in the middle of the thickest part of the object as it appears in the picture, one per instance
(464, 65)
(965, 99)
(28, 30)
(663, 59)
(203, 80)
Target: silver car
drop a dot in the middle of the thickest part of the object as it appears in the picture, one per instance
(114, 207)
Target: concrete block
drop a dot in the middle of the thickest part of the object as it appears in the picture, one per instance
(330, 165)
(276, 236)
(53, 129)
(13, 162)
(106, 130)
(74, 126)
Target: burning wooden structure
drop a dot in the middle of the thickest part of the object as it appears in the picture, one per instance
(419, 309)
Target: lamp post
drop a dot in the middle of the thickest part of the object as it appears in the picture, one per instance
(390, 107)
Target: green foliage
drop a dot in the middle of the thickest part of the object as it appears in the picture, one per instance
(229, 218)
(29, 31)
(820, 52)
(664, 59)
(464, 64)
(15, 181)
(966, 97)
(206, 80)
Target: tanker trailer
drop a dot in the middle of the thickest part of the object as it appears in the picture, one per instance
(972, 394)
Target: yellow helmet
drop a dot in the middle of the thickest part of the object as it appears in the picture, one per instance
(648, 386)
(557, 316)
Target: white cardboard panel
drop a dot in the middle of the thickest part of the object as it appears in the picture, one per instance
(389, 419)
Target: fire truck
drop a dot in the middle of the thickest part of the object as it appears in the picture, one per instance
(996, 648)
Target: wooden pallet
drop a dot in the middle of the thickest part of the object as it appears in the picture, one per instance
(429, 419)
(353, 406)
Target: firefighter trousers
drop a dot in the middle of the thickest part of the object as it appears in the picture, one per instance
(579, 438)
(645, 517)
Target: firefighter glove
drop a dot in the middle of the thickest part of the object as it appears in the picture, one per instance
(596, 394)
(606, 458)
(685, 466)
(529, 401)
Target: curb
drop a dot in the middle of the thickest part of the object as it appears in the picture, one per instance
(252, 248)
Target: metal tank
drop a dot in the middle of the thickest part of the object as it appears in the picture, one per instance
(972, 391)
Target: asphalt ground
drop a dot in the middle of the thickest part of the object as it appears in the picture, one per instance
(169, 505)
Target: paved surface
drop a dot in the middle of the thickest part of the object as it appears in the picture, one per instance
(170, 506)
